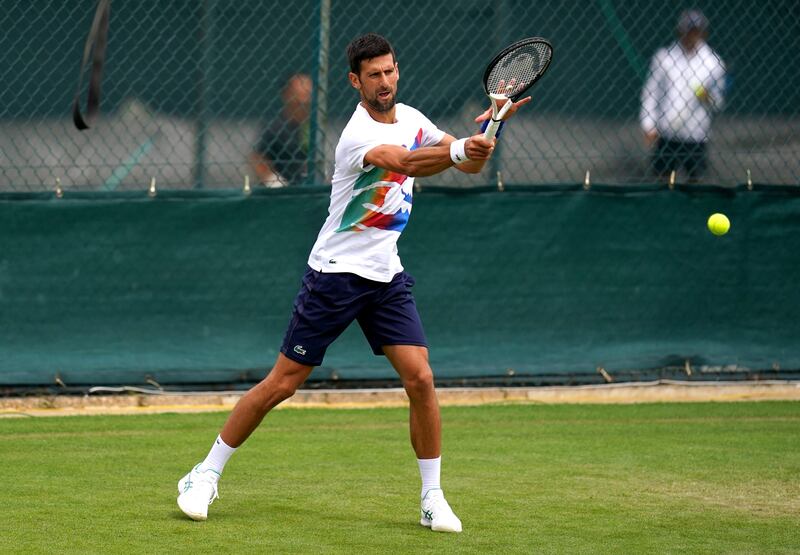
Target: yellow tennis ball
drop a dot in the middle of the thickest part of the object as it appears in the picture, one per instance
(718, 224)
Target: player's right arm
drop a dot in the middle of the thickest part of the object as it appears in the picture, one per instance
(470, 166)
(428, 160)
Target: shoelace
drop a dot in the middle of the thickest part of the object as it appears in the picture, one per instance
(201, 478)
(438, 505)
(434, 496)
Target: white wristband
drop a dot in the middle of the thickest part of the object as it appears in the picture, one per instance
(458, 151)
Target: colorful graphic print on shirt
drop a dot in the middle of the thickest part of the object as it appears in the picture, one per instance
(380, 201)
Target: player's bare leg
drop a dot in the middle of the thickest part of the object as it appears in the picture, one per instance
(198, 489)
(280, 384)
(411, 363)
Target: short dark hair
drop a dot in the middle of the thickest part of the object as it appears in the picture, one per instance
(367, 47)
(692, 19)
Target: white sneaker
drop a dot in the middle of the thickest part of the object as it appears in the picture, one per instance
(196, 491)
(436, 514)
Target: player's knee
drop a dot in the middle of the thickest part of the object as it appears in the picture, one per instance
(278, 388)
(420, 382)
(285, 388)
(283, 380)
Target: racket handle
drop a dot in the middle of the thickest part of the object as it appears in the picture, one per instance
(494, 124)
(499, 130)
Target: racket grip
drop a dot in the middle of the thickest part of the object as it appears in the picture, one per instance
(485, 124)
(496, 121)
(491, 130)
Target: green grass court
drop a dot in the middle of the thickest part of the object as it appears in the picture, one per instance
(660, 478)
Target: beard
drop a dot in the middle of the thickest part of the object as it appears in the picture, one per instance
(381, 105)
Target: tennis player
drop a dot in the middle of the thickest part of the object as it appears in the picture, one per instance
(354, 273)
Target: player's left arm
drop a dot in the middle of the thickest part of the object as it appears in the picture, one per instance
(511, 111)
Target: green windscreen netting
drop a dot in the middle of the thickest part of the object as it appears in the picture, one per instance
(198, 288)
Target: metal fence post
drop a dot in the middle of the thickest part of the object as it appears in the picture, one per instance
(205, 41)
(319, 98)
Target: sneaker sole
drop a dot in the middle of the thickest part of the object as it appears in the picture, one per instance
(429, 524)
(446, 529)
(190, 514)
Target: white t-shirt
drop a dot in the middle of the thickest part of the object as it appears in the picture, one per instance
(669, 97)
(370, 206)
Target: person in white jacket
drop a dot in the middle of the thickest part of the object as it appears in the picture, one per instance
(684, 88)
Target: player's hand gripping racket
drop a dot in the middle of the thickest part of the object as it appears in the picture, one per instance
(512, 72)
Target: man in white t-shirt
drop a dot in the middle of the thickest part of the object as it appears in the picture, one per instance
(354, 273)
(685, 87)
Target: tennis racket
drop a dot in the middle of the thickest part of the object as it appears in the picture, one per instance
(94, 55)
(512, 72)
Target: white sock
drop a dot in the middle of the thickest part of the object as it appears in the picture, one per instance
(218, 456)
(430, 470)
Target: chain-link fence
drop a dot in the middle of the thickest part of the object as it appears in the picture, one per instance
(193, 89)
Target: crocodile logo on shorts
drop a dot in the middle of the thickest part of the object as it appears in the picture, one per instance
(299, 350)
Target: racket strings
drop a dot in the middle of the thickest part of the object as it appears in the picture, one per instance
(518, 69)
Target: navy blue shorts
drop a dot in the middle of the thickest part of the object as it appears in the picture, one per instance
(328, 303)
